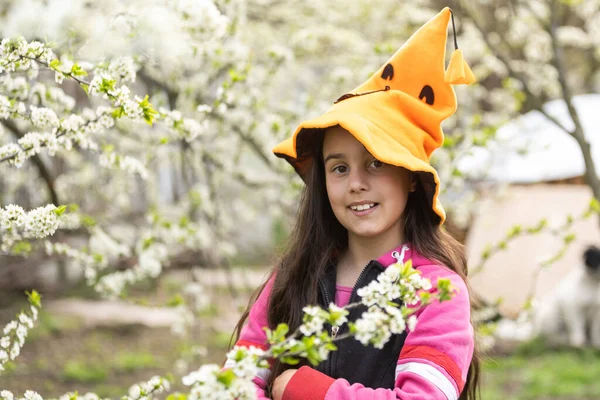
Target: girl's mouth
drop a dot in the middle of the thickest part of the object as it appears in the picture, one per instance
(363, 209)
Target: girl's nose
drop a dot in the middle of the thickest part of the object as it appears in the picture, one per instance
(358, 180)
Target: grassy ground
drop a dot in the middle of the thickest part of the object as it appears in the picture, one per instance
(534, 371)
(62, 355)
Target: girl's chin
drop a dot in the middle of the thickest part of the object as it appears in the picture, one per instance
(366, 233)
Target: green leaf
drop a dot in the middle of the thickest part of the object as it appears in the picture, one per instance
(445, 289)
(118, 112)
(107, 85)
(236, 76)
(571, 3)
(514, 231)
(485, 254)
(280, 332)
(175, 301)
(148, 111)
(449, 141)
(34, 298)
(164, 140)
(456, 173)
(595, 205)
(88, 221)
(226, 377)
(77, 71)
(55, 64)
(289, 360)
(537, 229)
(569, 238)
(177, 396)
(60, 210)
(148, 242)
(22, 248)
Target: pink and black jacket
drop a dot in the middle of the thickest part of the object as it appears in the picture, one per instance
(431, 362)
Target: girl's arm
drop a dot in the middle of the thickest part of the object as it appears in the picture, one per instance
(433, 363)
(253, 335)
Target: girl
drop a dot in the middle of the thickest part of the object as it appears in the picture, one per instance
(370, 200)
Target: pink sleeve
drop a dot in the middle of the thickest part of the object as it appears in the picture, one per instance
(433, 362)
(253, 335)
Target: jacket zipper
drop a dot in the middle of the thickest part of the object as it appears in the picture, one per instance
(360, 277)
(336, 329)
(327, 301)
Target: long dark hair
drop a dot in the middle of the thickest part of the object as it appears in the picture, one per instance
(318, 236)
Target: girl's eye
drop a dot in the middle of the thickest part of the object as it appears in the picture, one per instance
(340, 169)
(377, 164)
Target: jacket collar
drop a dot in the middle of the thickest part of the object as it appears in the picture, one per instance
(388, 258)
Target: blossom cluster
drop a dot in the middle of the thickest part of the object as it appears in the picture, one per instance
(126, 163)
(15, 332)
(175, 233)
(210, 382)
(392, 299)
(145, 390)
(16, 55)
(139, 391)
(315, 318)
(149, 265)
(90, 264)
(64, 133)
(16, 224)
(187, 129)
(122, 68)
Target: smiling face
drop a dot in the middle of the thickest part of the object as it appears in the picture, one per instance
(367, 196)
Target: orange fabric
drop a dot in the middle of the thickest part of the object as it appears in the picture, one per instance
(399, 123)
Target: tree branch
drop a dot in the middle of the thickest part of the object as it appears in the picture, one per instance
(39, 163)
(536, 102)
(558, 61)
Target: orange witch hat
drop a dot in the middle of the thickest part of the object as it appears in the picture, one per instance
(397, 113)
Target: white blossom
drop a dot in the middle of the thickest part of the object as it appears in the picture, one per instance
(5, 107)
(314, 319)
(124, 68)
(32, 143)
(12, 325)
(31, 395)
(573, 36)
(125, 163)
(43, 117)
(204, 109)
(41, 222)
(412, 322)
(6, 395)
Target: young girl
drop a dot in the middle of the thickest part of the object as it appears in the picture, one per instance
(370, 200)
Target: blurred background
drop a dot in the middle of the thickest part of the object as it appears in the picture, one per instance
(213, 206)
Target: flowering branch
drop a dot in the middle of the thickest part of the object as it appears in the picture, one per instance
(140, 391)
(16, 224)
(541, 227)
(392, 301)
(15, 331)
